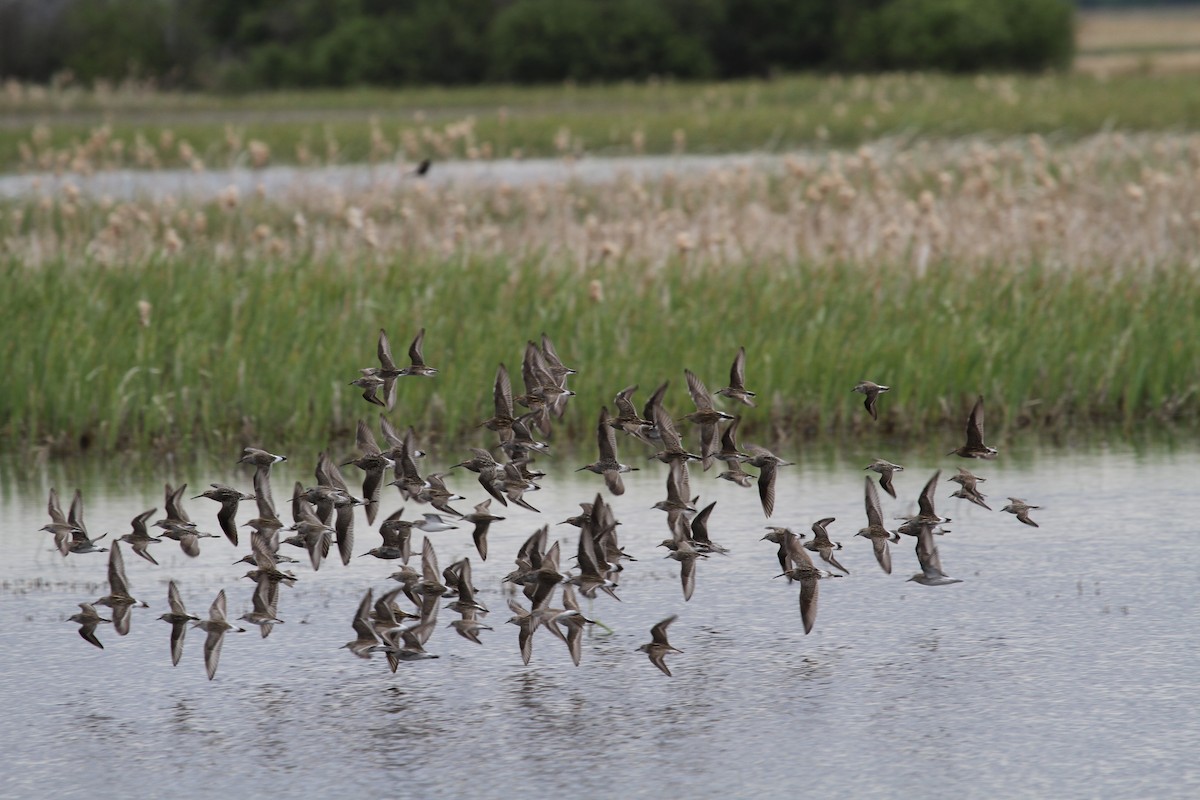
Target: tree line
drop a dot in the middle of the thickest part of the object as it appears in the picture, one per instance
(254, 44)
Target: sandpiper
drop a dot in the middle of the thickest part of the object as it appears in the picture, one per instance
(736, 390)
(1019, 507)
(686, 554)
(822, 545)
(885, 469)
(658, 647)
(572, 616)
(782, 537)
(386, 374)
(438, 495)
(767, 462)
(262, 462)
(970, 488)
(803, 571)
(926, 516)
(628, 419)
(88, 618)
(370, 383)
(80, 541)
(118, 597)
(482, 518)
(469, 627)
(559, 372)
(229, 498)
(179, 618)
(265, 602)
(875, 531)
(502, 417)
(418, 366)
(975, 448)
(705, 415)
(931, 573)
(366, 640)
(139, 538)
(527, 624)
(397, 536)
(434, 523)
(872, 391)
(607, 464)
(315, 537)
(700, 537)
(373, 463)
(216, 627)
(671, 443)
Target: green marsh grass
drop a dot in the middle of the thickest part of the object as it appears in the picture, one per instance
(262, 352)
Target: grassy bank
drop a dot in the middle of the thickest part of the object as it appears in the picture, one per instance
(1059, 280)
(262, 351)
(68, 129)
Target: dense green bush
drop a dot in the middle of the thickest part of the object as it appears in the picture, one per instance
(247, 44)
(957, 35)
(588, 40)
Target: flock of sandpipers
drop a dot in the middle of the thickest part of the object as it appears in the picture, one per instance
(324, 514)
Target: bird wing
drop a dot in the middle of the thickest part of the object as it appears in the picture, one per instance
(384, 351)
(414, 349)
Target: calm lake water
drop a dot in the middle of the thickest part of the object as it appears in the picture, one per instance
(1065, 665)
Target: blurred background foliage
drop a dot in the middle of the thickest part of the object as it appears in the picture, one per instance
(241, 45)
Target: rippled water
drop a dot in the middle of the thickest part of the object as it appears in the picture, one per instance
(1065, 665)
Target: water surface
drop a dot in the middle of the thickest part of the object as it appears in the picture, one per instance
(1065, 665)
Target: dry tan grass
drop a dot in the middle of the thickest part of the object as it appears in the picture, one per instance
(1110, 200)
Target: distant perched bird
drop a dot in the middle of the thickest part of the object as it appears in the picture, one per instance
(736, 390)
(975, 448)
(422, 169)
(885, 469)
(872, 391)
(658, 647)
(1021, 509)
